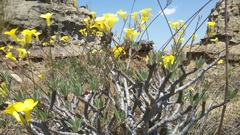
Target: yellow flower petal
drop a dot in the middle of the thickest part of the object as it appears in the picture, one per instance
(168, 60)
(122, 14)
(22, 52)
(220, 61)
(3, 89)
(10, 110)
(10, 56)
(47, 16)
(135, 17)
(37, 35)
(211, 25)
(12, 34)
(40, 76)
(3, 49)
(64, 39)
(214, 40)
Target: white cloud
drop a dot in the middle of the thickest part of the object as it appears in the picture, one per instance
(169, 11)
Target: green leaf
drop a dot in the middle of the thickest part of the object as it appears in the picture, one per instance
(190, 97)
(137, 47)
(104, 118)
(117, 114)
(75, 124)
(97, 102)
(207, 85)
(232, 93)
(93, 83)
(20, 96)
(42, 114)
(176, 48)
(77, 90)
(205, 97)
(199, 62)
(141, 75)
(37, 93)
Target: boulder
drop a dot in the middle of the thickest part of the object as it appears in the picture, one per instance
(218, 14)
(66, 19)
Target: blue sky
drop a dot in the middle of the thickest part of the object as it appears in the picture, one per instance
(158, 31)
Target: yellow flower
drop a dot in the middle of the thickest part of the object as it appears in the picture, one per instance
(9, 48)
(191, 88)
(93, 51)
(3, 90)
(128, 31)
(220, 61)
(174, 25)
(53, 39)
(146, 12)
(181, 22)
(146, 15)
(10, 110)
(194, 36)
(92, 14)
(168, 59)
(180, 33)
(10, 56)
(143, 26)
(3, 49)
(47, 16)
(134, 34)
(64, 39)
(22, 52)
(12, 34)
(211, 34)
(181, 40)
(109, 20)
(117, 51)
(40, 76)
(27, 36)
(86, 20)
(135, 17)
(122, 14)
(214, 40)
(83, 32)
(211, 25)
(144, 19)
(99, 34)
(25, 107)
(147, 58)
(37, 35)
(45, 44)
(75, 3)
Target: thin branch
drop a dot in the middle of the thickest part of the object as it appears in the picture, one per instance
(226, 64)
(198, 75)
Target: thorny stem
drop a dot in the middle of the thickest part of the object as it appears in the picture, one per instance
(226, 64)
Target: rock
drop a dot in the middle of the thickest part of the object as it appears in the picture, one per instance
(57, 52)
(211, 51)
(217, 15)
(16, 78)
(66, 19)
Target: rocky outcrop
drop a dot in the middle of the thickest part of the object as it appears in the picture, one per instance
(217, 15)
(66, 19)
(211, 51)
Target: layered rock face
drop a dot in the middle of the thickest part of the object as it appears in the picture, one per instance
(23, 14)
(218, 14)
